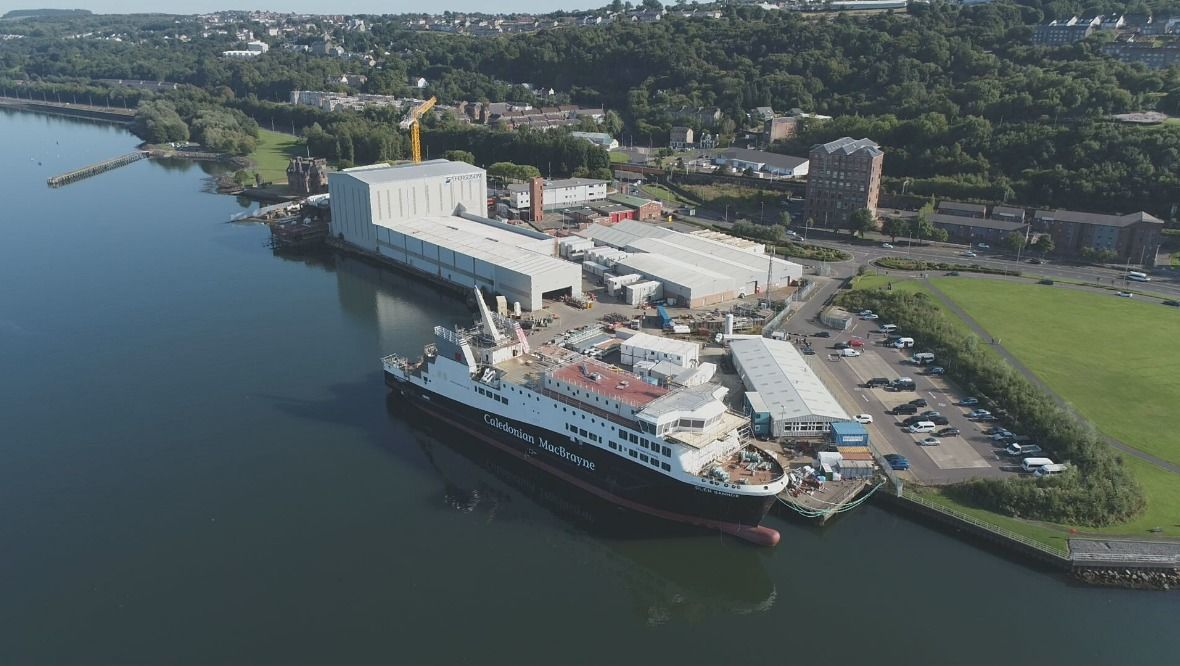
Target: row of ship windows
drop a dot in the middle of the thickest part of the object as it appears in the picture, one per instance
(482, 391)
(643, 457)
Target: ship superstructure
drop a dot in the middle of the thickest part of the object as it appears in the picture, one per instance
(679, 453)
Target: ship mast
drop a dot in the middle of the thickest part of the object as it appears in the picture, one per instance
(489, 325)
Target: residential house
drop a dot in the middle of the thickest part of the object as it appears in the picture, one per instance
(1065, 31)
(1133, 237)
(976, 229)
(1007, 213)
(680, 138)
(418, 82)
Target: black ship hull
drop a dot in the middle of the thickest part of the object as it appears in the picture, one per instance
(629, 484)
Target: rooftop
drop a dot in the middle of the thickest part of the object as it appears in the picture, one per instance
(762, 157)
(961, 206)
(978, 222)
(380, 174)
(780, 375)
(611, 382)
(847, 145)
(493, 243)
(1100, 219)
(628, 200)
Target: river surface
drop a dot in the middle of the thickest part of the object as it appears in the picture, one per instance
(199, 464)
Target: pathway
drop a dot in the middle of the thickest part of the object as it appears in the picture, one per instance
(1032, 377)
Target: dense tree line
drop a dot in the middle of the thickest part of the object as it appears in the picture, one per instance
(1097, 490)
(961, 101)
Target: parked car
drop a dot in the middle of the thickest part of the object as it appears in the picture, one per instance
(1034, 260)
(929, 441)
(823, 334)
(1003, 436)
(985, 418)
(948, 432)
(1126, 294)
(936, 370)
(931, 412)
(840, 345)
(896, 462)
(983, 246)
(864, 313)
(863, 418)
(1175, 304)
(969, 253)
(1023, 449)
(993, 430)
(919, 402)
(808, 351)
(976, 413)
(887, 246)
(940, 420)
(905, 409)
(850, 352)
(921, 426)
(877, 381)
(869, 317)
(967, 402)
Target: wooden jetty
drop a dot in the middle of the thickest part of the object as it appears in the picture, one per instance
(96, 168)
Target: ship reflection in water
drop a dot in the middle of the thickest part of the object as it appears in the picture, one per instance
(661, 562)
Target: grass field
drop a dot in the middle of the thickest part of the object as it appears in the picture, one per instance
(1124, 377)
(274, 151)
(1110, 357)
(906, 284)
(619, 157)
(664, 194)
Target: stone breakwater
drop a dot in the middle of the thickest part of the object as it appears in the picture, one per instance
(1137, 579)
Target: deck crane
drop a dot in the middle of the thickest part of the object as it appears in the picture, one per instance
(411, 123)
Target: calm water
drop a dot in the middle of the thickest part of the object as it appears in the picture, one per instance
(199, 464)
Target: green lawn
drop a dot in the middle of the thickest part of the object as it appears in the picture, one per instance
(619, 157)
(1110, 357)
(274, 151)
(663, 193)
(870, 281)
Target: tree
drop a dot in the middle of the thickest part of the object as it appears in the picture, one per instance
(923, 228)
(784, 218)
(896, 226)
(1044, 245)
(860, 221)
(460, 156)
(1014, 242)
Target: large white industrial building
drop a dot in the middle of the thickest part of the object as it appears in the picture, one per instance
(783, 394)
(423, 217)
(696, 270)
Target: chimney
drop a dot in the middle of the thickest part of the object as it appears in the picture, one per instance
(537, 197)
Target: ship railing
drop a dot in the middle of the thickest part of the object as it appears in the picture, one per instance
(601, 413)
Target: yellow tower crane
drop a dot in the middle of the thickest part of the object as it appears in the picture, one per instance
(411, 123)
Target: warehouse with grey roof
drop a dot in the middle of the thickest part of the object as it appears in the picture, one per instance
(784, 396)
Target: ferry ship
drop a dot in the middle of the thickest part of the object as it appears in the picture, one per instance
(673, 452)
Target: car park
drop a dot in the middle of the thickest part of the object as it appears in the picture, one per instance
(929, 441)
(967, 402)
(863, 418)
(948, 432)
(919, 402)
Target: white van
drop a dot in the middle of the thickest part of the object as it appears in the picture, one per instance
(925, 426)
(1033, 464)
(922, 358)
(903, 343)
(888, 328)
(1055, 468)
(1138, 276)
(849, 351)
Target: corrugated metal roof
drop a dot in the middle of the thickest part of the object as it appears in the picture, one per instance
(781, 376)
(487, 243)
(407, 172)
